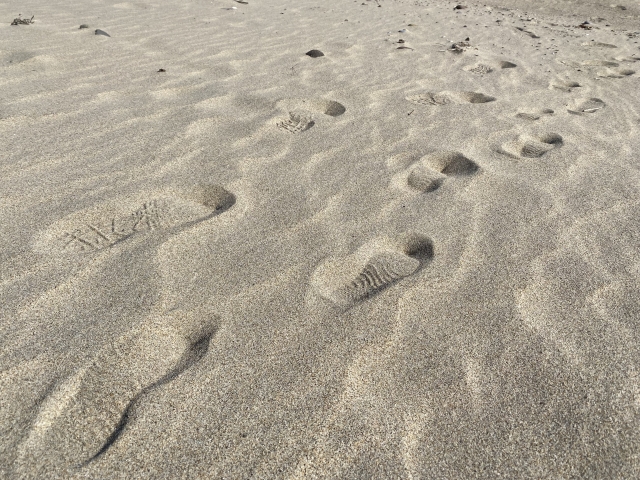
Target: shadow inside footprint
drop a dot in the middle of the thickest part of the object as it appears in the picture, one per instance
(373, 268)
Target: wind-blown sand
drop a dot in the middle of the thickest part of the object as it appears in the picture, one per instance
(223, 258)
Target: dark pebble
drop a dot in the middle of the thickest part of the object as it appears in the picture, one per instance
(84, 25)
(315, 53)
(102, 32)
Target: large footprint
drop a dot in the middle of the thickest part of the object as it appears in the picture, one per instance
(87, 413)
(106, 225)
(428, 173)
(372, 268)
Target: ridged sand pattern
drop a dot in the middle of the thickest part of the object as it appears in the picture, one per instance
(347, 281)
(447, 97)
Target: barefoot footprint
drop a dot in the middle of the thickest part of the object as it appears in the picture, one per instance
(373, 268)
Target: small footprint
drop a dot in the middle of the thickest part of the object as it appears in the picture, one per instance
(599, 63)
(373, 268)
(296, 123)
(446, 97)
(581, 106)
(430, 172)
(535, 115)
(564, 85)
(615, 73)
(531, 146)
(301, 113)
(483, 69)
(88, 412)
(598, 45)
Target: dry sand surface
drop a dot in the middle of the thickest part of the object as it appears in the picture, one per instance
(414, 256)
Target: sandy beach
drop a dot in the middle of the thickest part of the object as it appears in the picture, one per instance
(319, 239)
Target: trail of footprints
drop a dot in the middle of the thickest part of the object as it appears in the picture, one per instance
(84, 416)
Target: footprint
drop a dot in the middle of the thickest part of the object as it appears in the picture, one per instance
(581, 106)
(564, 85)
(430, 172)
(87, 413)
(316, 105)
(373, 268)
(483, 69)
(296, 123)
(599, 63)
(531, 146)
(301, 112)
(106, 225)
(536, 115)
(446, 97)
(615, 73)
(598, 45)
(627, 59)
